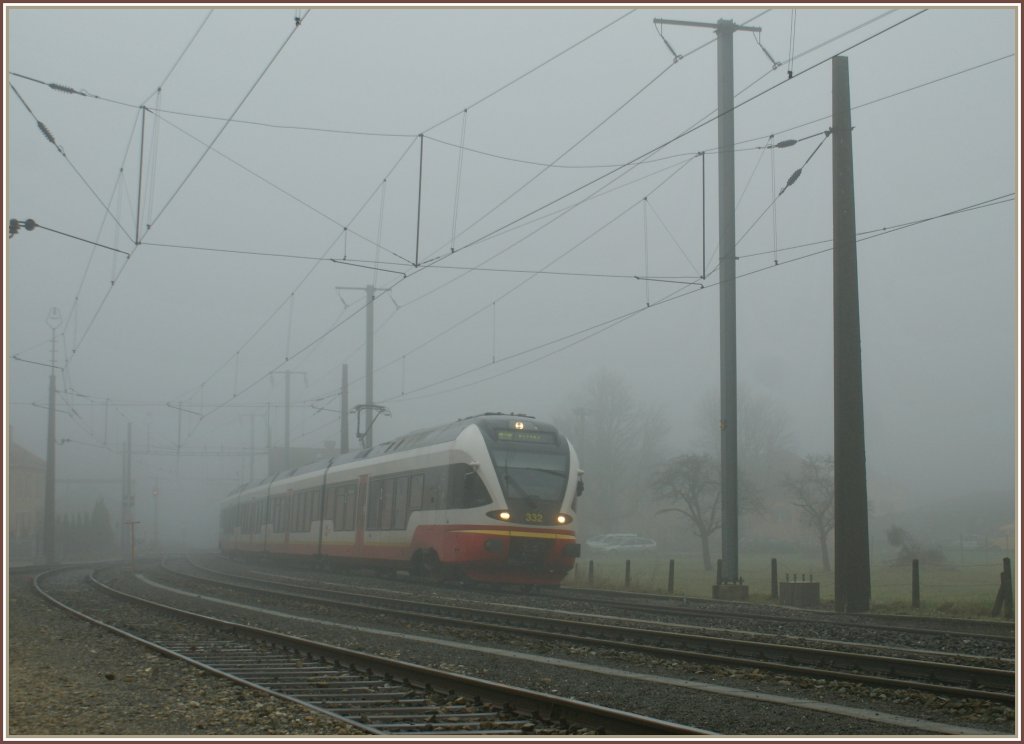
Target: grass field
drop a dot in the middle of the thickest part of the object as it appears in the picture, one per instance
(966, 586)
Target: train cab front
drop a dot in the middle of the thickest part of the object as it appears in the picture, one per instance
(532, 483)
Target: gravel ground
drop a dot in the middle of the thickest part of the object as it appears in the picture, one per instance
(96, 684)
(67, 677)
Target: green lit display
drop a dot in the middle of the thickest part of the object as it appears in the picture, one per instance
(518, 435)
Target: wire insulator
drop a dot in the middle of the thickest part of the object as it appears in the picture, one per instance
(786, 143)
(64, 89)
(46, 132)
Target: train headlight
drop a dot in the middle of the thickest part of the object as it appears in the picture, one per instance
(518, 425)
(563, 519)
(504, 516)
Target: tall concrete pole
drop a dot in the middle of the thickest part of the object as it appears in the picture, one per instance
(368, 441)
(727, 292)
(127, 500)
(49, 497)
(852, 552)
(287, 420)
(367, 436)
(252, 447)
(344, 409)
(727, 304)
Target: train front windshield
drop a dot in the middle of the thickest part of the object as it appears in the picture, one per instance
(531, 469)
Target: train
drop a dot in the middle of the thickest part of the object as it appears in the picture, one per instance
(488, 499)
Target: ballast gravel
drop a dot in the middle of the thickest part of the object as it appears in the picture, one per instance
(67, 677)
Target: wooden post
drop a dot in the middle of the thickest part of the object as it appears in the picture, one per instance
(1008, 591)
(671, 576)
(915, 584)
(775, 578)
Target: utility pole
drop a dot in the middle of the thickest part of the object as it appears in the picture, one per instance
(727, 292)
(344, 409)
(368, 439)
(127, 501)
(49, 499)
(156, 513)
(288, 414)
(852, 551)
(372, 411)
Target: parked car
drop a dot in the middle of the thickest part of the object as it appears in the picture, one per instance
(621, 542)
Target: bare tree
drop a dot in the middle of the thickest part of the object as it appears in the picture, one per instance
(618, 441)
(815, 494)
(689, 482)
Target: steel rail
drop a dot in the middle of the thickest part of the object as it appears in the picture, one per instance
(929, 676)
(996, 630)
(373, 693)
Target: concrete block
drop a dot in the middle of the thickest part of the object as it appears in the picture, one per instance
(800, 594)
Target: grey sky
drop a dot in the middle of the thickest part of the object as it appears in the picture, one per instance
(306, 123)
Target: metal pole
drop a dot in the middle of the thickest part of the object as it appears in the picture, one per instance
(50, 501)
(287, 420)
(852, 551)
(252, 446)
(127, 505)
(727, 304)
(368, 441)
(344, 408)
(729, 571)
(156, 514)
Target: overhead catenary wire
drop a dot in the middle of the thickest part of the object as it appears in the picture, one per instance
(378, 242)
(769, 89)
(223, 127)
(567, 341)
(481, 269)
(864, 235)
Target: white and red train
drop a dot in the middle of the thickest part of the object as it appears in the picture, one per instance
(490, 498)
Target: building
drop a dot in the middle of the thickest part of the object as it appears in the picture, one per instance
(26, 494)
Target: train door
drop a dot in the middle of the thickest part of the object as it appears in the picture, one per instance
(362, 493)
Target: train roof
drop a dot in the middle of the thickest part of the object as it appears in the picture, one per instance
(419, 438)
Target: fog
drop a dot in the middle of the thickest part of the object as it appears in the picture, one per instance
(216, 176)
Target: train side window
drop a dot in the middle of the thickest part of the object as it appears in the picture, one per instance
(387, 508)
(401, 503)
(435, 489)
(432, 494)
(373, 504)
(467, 488)
(279, 513)
(307, 511)
(350, 506)
(331, 508)
(416, 492)
(294, 511)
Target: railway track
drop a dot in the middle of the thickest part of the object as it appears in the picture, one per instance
(680, 606)
(371, 693)
(874, 667)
